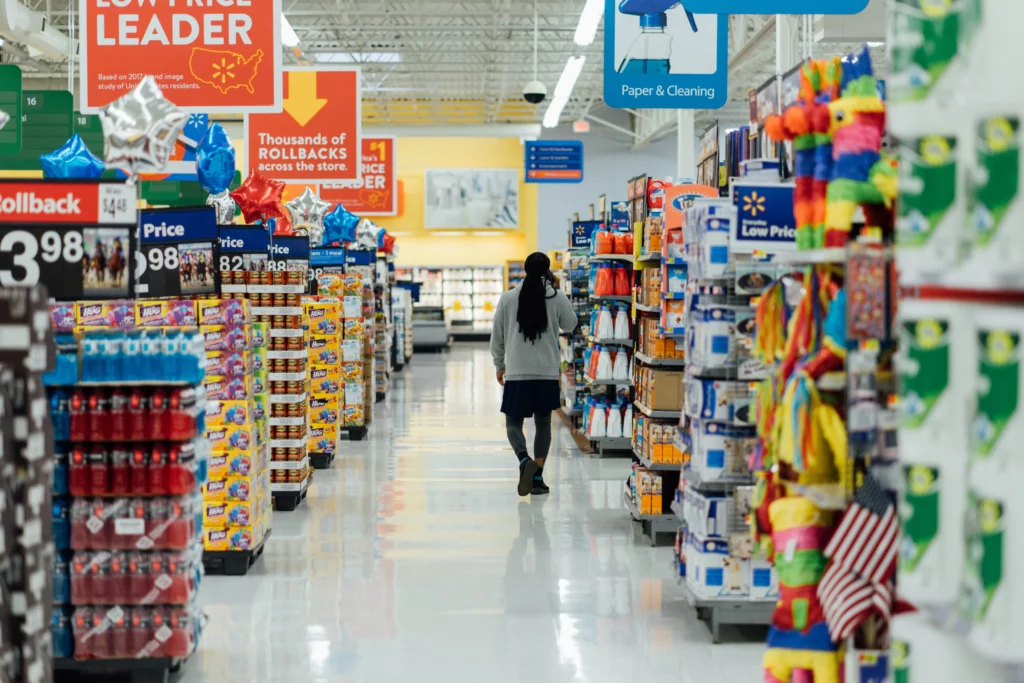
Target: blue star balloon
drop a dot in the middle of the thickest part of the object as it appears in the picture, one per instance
(340, 226)
(215, 160)
(72, 160)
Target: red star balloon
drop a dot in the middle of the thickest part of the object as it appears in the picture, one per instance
(259, 198)
(389, 244)
(284, 227)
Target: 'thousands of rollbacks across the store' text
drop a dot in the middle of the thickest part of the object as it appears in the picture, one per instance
(671, 91)
(304, 153)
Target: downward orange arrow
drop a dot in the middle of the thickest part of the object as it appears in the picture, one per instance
(302, 103)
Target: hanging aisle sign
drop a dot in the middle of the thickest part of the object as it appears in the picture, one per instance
(177, 253)
(376, 194)
(778, 6)
(318, 136)
(658, 54)
(72, 237)
(212, 57)
(554, 161)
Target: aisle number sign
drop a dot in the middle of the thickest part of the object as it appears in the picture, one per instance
(778, 6)
(318, 136)
(212, 57)
(644, 69)
(376, 194)
(10, 103)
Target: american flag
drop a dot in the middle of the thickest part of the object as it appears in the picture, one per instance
(859, 578)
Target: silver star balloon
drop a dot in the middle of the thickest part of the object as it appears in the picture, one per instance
(307, 212)
(141, 129)
(224, 206)
(368, 234)
(4, 118)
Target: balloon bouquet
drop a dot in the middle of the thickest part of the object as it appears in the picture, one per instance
(141, 129)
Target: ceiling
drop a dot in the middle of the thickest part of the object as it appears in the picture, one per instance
(459, 63)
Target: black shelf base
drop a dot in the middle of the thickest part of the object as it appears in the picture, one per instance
(321, 461)
(110, 670)
(355, 433)
(233, 563)
(287, 501)
(381, 396)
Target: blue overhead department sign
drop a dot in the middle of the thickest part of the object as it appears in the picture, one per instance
(778, 6)
(764, 218)
(554, 161)
(658, 54)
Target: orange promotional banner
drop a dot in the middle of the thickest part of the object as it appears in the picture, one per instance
(318, 136)
(209, 57)
(679, 198)
(376, 194)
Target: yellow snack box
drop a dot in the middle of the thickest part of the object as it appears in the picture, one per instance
(232, 513)
(233, 437)
(352, 284)
(231, 487)
(234, 539)
(165, 313)
(222, 465)
(325, 379)
(224, 312)
(322, 317)
(221, 388)
(352, 372)
(240, 413)
(324, 409)
(324, 349)
(323, 438)
(354, 328)
(354, 416)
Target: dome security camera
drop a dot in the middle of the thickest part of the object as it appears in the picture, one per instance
(535, 92)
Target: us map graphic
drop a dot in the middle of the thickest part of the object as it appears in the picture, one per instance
(225, 70)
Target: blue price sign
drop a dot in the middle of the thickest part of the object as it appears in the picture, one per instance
(658, 54)
(364, 257)
(327, 257)
(778, 6)
(583, 232)
(764, 219)
(177, 252)
(554, 161)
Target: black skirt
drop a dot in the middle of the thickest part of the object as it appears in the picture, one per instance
(524, 397)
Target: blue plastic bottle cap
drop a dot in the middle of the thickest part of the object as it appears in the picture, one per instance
(654, 20)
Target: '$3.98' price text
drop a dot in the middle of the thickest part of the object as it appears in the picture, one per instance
(28, 249)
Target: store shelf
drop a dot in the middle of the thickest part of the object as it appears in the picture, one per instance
(635, 511)
(717, 486)
(610, 443)
(648, 258)
(673, 296)
(609, 382)
(610, 342)
(290, 465)
(657, 414)
(832, 255)
(660, 362)
(730, 611)
(628, 258)
(657, 466)
(609, 297)
(648, 309)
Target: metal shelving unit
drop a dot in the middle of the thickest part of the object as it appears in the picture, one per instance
(652, 525)
(718, 611)
(658, 414)
(660, 362)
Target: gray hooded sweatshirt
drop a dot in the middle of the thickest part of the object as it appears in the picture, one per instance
(522, 359)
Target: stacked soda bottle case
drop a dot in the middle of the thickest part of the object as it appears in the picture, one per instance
(26, 466)
(276, 297)
(236, 498)
(325, 325)
(128, 409)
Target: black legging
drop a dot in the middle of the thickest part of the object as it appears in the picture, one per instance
(541, 441)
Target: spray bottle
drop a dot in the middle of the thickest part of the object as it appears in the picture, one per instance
(651, 53)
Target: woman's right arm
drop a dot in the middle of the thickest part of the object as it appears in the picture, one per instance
(567, 319)
(498, 336)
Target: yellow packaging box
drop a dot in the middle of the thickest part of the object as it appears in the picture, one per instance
(231, 487)
(324, 409)
(325, 379)
(354, 416)
(221, 388)
(229, 363)
(223, 465)
(352, 285)
(165, 313)
(234, 539)
(239, 413)
(233, 437)
(227, 337)
(322, 317)
(644, 484)
(324, 349)
(224, 312)
(323, 438)
(230, 513)
(354, 328)
(352, 372)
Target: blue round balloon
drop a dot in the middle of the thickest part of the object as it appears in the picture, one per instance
(340, 226)
(380, 238)
(72, 160)
(215, 160)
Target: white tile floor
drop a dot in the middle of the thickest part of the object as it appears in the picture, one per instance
(413, 559)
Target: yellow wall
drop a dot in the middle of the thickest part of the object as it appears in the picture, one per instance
(422, 248)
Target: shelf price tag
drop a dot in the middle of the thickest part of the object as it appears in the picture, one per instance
(177, 252)
(243, 250)
(56, 234)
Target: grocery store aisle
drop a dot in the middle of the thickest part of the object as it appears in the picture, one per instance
(413, 559)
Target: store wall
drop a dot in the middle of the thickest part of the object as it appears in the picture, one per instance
(425, 248)
(609, 161)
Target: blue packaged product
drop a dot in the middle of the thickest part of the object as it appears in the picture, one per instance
(132, 360)
(61, 580)
(169, 355)
(61, 473)
(113, 347)
(60, 415)
(91, 356)
(61, 525)
(62, 635)
(151, 364)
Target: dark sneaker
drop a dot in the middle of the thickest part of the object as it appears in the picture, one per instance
(526, 472)
(539, 486)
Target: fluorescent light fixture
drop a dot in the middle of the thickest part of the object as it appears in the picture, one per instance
(357, 57)
(590, 19)
(488, 233)
(288, 36)
(571, 73)
(449, 233)
(554, 113)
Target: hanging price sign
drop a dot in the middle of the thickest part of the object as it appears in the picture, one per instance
(72, 237)
(324, 261)
(290, 254)
(242, 251)
(177, 253)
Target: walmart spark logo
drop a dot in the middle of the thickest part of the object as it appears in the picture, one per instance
(754, 204)
(580, 230)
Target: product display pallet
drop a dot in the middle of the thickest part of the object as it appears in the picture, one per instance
(321, 461)
(613, 446)
(156, 670)
(718, 611)
(287, 501)
(652, 525)
(658, 414)
(355, 433)
(660, 362)
(380, 396)
(233, 562)
(656, 466)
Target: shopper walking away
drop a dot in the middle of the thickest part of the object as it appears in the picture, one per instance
(524, 344)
